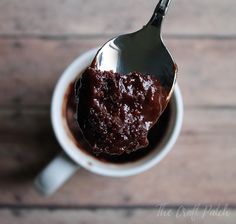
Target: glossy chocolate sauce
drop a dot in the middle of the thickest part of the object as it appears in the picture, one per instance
(115, 112)
(155, 135)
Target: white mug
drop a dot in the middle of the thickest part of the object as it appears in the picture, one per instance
(66, 164)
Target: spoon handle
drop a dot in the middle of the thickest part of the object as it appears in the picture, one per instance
(159, 13)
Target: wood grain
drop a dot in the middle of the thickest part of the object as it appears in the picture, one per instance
(65, 17)
(38, 39)
(117, 216)
(200, 169)
(29, 69)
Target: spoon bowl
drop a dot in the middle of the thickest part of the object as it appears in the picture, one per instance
(142, 51)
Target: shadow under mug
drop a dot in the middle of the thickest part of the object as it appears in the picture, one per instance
(68, 162)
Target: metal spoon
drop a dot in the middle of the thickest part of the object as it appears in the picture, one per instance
(142, 51)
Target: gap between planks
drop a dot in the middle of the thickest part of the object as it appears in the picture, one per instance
(110, 35)
(120, 207)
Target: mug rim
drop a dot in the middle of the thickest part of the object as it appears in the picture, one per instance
(82, 158)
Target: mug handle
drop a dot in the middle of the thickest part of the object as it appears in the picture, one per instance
(55, 174)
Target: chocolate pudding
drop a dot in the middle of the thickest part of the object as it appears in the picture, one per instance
(155, 135)
(115, 112)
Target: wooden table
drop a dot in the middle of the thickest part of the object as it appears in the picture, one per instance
(38, 39)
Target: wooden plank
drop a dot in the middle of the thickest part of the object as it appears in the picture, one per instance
(211, 17)
(200, 169)
(29, 69)
(117, 216)
(32, 67)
